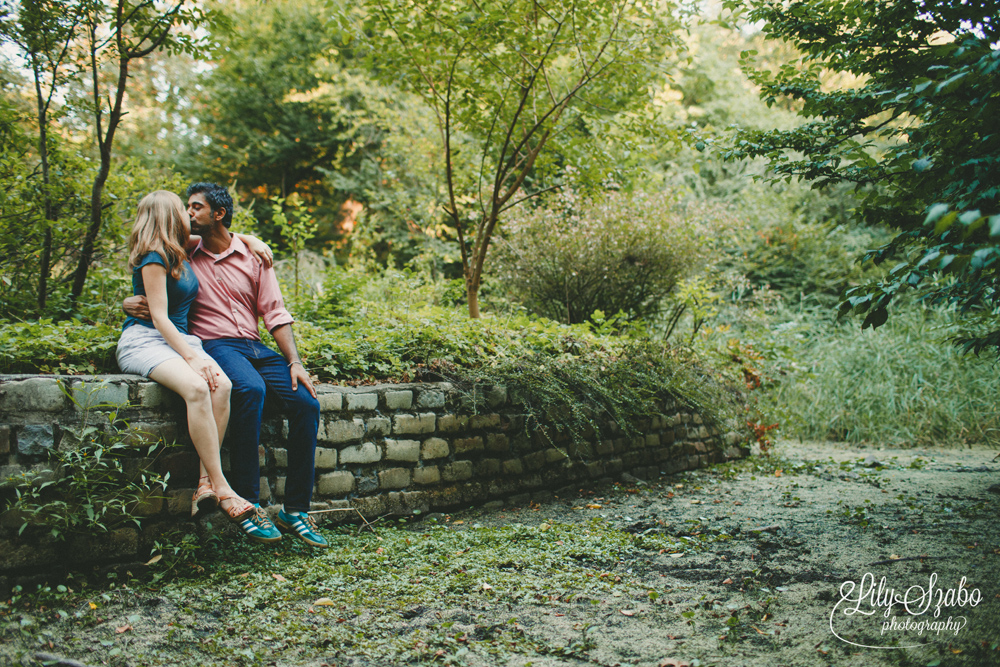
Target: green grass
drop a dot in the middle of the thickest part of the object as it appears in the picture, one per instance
(253, 603)
(902, 384)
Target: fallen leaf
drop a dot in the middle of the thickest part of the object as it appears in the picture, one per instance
(380, 551)
(956, 651)
(155, 559)
(92, 605)
(759, 631)
(627, 612)
(124, 628)
(593, 506)
(457, 522)
(737, 503)
(487, 587)
(324, 602)
(728, 581)
(672, 662)
(676, 555)
(777, 473)
(894, 557)
(279, 577)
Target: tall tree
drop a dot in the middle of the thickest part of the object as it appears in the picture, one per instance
(509, 80)
(44, 33)
(119, 34)
(910, 118)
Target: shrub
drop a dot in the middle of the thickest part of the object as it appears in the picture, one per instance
(621, 253)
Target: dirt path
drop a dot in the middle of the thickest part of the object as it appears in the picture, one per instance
(743, 564)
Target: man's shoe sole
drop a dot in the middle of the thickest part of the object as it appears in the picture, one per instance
(288, 528)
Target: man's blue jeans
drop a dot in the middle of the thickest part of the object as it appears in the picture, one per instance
(257, 371)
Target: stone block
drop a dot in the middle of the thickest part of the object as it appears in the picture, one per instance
(427, 475)
(430, 399)
(434, 448)
(361, 402)
(497, 443)
(150, 505)
(512, 467)
(652, 440)
(179, 501)
(335, 483)
(343, 430)
(394, 478)
(332, 401)
(182, 467)
(279, 487)
(552, 455)
(364, 453)
(595, 469)
(280, 457)
(325, 458)
(155, 395)
(402, 450)
(90, 395)
(487, 468)
(457, 471)
(265, 489)
(415, 501)
(32, 395)
(534, 461)
(378, 426)
(140, 433)
(422, 423)
(36, 439)
(370, 507)
(452, 423)
(614, 467)
(398, 400)
(484, 421)
(467, 445)
(5, 432)
(667, 437)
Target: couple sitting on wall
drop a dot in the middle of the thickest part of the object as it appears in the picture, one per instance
(192, 327)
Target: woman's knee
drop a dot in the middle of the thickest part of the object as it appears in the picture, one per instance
(224, 390)
(196, 391)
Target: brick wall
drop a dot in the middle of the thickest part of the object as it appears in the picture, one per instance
(385, 449)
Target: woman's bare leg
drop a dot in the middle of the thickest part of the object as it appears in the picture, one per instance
(175, 374)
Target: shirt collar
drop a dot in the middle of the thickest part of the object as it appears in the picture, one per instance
(235, 245)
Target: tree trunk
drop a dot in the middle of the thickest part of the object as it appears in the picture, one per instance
(43, 153)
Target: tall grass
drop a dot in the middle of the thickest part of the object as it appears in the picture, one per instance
(902, 384)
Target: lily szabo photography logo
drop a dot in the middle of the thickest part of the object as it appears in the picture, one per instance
(871, 614)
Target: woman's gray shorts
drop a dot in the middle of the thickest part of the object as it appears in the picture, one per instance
(141, 349)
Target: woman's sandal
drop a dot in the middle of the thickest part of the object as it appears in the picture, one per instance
(238, 511)
(205, 498)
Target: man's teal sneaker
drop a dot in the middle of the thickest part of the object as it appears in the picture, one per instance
(303, 525)
(259, 528)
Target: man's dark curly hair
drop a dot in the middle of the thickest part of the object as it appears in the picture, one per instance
(216, 196)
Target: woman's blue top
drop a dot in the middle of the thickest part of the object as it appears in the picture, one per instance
(180, 292)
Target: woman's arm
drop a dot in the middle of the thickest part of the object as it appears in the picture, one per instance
(154, 277)
(257, 248)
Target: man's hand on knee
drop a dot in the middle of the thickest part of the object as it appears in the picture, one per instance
(299, 374)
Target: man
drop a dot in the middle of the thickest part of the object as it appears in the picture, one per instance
(234, 292)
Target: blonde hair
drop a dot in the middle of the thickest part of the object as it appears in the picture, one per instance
(159, 226)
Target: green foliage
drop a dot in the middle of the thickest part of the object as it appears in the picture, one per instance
(910, 122)
(619, 253)
(69, 347)
(91, 486)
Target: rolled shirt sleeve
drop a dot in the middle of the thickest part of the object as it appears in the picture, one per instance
(270, 304)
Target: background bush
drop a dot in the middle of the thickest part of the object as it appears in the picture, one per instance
(619, 253)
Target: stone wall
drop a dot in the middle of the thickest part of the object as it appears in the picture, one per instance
(385, 449)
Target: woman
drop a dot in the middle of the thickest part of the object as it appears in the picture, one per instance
(162, 349)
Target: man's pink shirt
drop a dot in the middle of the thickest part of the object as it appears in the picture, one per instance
(234, 290)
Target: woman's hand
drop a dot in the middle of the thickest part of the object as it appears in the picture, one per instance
(258, 249)
(207, 370)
